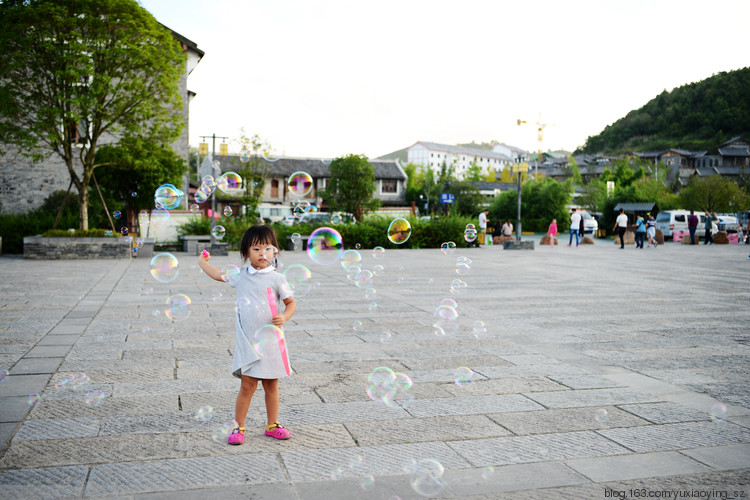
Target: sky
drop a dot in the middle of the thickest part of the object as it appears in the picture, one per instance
(329, 78)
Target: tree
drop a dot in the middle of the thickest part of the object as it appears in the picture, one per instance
(474, 172)
(572, 171)
(351, 186)
(77, 74)
(542, 200)
(715, 194)
(253, 171)
(468, 198)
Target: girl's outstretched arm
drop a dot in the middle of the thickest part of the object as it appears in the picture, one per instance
(212, 271)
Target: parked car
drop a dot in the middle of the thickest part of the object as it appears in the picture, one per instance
(590, 224)
(672, 221)
(728, 223)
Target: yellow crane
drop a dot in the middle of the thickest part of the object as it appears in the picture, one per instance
(539, 138)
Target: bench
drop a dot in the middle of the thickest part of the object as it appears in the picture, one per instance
(303, 242)
(190, 243)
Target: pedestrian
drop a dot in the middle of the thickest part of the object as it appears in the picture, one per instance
(621, 225)
(575, 224)
(581, 228)
(708, 226)
(497, 229)
(507, 228)
(258, 284)
(640, 232)
(651, 230)
(740, 234)
(552, 232)
(692, 226)
(483, 226)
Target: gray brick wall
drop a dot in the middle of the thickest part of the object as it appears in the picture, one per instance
(39, 248)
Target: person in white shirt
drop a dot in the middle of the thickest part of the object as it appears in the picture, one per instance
(621, 224)
(483, 225)
(575, 222)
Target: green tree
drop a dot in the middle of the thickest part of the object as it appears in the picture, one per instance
(79, 73)
(542, 200)
(468, 198)
(474, 172)
(351, 186)
(436, 183)
(593, 195)
(572, 171)
(715, 194)
(253, 171)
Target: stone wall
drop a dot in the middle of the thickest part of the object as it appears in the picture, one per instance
(39, 248)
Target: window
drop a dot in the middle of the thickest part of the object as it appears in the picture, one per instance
(389, 186)
(274, 188)
(679, 218)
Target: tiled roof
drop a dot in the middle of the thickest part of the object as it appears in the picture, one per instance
(457, 150)
(316, 167)
(734, 151)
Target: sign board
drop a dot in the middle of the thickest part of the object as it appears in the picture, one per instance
(519, 167)
(447, 198)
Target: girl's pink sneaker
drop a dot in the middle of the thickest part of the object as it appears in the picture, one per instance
(237, 436)
(276, 431)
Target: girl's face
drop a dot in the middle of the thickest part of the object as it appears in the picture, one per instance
(261, 255)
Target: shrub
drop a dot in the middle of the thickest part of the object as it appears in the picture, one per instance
(78, 233)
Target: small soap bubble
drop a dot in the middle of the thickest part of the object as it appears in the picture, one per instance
(372, 306)
(458, 286)
(470, 233)
(325, 246)
(178, 307)
(3, 375)
(364, 279)
(108, 232)
(165, 267)
(350, 258)
(221, 433)
(448, 247)
(367, 482)
(124, 230)
(194, 208)
(385, 336)
(601, 415)
(378, 252)
(296, 238)
(337, 473)
(227, 211)
(242, 304)
(480, 330)
(116, 214)
(216, 295)
(269, 156)
(377, 269)
(244, 158)
(488, 473)
(204, 413)
(464, 376)
(155, 312)
(218, 232)
(399, 231)
(134, 194)
(357, 246)
(371, 293)
(230, 274)
(80, 380)
(356, 462)
(299, 278)
(718, 411)
(427, 478)
(300, 184)
(356, 325)
(399, 393)
(94, 398)
(148, 290)
(32, 399)
(336, 219)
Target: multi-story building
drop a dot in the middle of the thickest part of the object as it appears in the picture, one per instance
(434, 155)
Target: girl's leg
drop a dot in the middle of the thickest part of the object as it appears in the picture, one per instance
(271, 388)
(247, 389)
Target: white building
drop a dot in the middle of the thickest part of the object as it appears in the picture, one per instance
(510, 151)
(431, 154)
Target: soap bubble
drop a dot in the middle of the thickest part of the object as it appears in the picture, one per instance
(426, 478)
(372, 306)
(201, 196)
(216, 295)
(230, 183)
(124, 230)
(204, 413)
(218, 232)
(230, 274)
(300, 209)
(463, 265)
(367, 482)
(300, 184)
(458, 286)
(326, 161)
(337, 473)
(80, 380)
(159, 215)
(370, 293)
(364, 279)
(108, 232)
(165, 267)
(385, 336)
(168, 196)
(399, 231)
(377, 269)
(266, 342)
(324, 246)
(448, 247)
(222, 432)
(194, 208)
(241, 304)
(216, 167)
(601, 415)
(379, 382)
(353, 273)
(464, 376)
(244, 158)
(227, 211)
(356, 325)
(296, 238)
(270, 157)
(399, 394)
(94, 398)
(178, 307)
(3, 375)
(299, 278)
(134, 194)
(350, 258)
(480, 330)
(139, 243)
(488, 473)
(336, 219)
(470, 233)
(718, 411)
(378, 253)
(116, 214)
(448, 302)
(356, 462)
(32, 399)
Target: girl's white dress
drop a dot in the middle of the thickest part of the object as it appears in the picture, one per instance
(253, 312)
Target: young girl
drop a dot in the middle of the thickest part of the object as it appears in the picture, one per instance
(552, 232)
(259, 246)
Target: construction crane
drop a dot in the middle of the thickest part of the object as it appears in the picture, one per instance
(539, 138)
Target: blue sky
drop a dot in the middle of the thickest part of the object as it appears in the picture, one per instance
(328, 78)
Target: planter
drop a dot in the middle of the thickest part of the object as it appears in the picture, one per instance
(190, 244)
(40, 248)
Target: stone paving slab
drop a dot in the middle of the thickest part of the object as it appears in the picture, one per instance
(504, 386)
(728, 457)
(61, 428)
(666, 413)
(36, 366)
(678, 436)
(63, 482)
(635, 466)
(180, 474)
(471, 405)
(566, 420)
(592, 397)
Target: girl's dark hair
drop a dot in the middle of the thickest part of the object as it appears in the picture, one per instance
(257, 235)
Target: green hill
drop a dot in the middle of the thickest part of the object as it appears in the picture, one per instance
(697, 116)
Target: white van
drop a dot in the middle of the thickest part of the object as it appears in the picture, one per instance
(671, 221)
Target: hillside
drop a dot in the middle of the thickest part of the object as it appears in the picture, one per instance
(697, 116)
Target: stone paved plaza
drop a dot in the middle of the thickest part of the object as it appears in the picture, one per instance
(602, 373)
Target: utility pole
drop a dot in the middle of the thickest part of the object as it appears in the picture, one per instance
(213, 194)
(518, 166)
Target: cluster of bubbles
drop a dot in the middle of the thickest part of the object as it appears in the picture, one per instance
(470, 233)
(448, 247)
(389, 387)
(426, 476)
(76, 382)
(446, 317)
(399, 231)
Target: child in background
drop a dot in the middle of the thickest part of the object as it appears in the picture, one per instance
(552, 232)
(260, 246)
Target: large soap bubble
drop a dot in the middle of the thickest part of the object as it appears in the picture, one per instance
(399, 231)
(324, 246)
(178, 307)
(299, 278)
(230, 183)
(300, 184)
(165, 267)
(168, 196)
(266, 342)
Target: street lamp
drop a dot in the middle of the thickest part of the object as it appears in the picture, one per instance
(519, 159)
(213, 194)
(426, 201)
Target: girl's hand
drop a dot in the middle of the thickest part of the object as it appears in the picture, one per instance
(278, 320)
(204, 256)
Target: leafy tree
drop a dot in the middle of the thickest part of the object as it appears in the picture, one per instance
(351, 186)
(572, 171)
(77, 74)
(715, 194)
(468, 198)
(593, 196)
(542, 200)
(435, 183)
(491, 176)
(253, 171)
(474, 172)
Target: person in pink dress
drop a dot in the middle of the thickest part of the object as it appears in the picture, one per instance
(552, 232)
